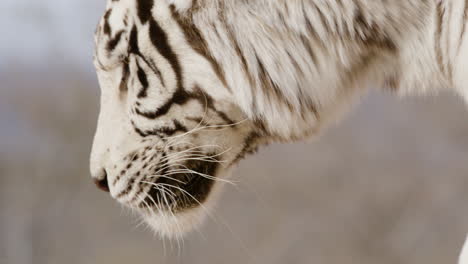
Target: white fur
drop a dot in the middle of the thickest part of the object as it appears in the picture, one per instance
(347, 61)
(463, 259)
(266, 36)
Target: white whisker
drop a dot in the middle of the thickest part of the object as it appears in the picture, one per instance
(195, 157)
(184, 169)
(198, 128)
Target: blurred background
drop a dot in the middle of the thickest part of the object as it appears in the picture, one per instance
(387, 185)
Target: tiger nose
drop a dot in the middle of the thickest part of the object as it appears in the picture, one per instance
(101, 182)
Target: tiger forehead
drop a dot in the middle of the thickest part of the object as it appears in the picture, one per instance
(116, 17)
(111, 36)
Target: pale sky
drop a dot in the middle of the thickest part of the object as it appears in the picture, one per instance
(33, 31)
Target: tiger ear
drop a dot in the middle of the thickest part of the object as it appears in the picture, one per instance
(180, 5)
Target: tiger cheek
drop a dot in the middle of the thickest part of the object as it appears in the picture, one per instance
(165, 137)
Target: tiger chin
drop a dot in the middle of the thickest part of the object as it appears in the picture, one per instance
(189, 88)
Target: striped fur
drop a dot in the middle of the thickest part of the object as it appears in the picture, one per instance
(217, 78)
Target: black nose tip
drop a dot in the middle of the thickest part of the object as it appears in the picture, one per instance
(102, 183)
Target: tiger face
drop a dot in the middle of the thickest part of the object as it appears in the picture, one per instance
(168, 131)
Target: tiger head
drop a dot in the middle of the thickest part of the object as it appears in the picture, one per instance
(169, 130)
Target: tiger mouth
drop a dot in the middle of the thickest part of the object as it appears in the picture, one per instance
(184, 190)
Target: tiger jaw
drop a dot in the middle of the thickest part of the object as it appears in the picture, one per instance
(167, 187)
(186, 187)
(185, 203)
(168, 174)
(164, 191)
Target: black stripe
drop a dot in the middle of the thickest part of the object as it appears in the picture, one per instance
(195, 39)
(143, 81)
(133, 41)
(269, 87)
(178, 127)
(440, 13)
(371, 34)
(168, 131)
(107, 28)
(250, 146)
(138, 177)
(113, 42)
(152, 65)
(161, 42)
(138, 131)
(237, 48)
(123, 87)
(180, 97)
(133, 48)
(144, 10)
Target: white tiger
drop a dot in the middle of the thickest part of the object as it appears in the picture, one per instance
(191, 86)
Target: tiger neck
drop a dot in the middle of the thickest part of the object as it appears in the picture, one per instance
(297, 72)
